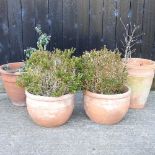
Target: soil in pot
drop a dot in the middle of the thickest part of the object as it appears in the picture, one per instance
(106, 109)
(10, 73)
(140, 78)
(50, 111)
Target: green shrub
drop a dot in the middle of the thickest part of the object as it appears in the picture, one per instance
(52, 74)
(103, 72)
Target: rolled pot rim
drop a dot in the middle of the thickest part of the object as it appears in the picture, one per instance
(150, 65)
(110, 96)
(2, 71)
(48, 99)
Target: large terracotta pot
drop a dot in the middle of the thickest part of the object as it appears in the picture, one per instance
(106, 109)
(140, 78)
(50, 111)
(14, 92)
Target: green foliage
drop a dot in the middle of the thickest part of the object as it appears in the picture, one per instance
(52, 74)
(43, 39)
(103, 72)
(28, 52)
(42, 43)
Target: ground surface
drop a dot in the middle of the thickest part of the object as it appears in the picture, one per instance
(135, 135)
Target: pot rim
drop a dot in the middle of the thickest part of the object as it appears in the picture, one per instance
(111, 97)
(2, 71)
(48, 99)
(150, 65)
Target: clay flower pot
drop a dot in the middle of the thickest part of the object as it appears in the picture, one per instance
(50, 111)
(106, 109)
(14, 92)
(140, 78)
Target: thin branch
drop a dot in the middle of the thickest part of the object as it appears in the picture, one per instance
(130, 39)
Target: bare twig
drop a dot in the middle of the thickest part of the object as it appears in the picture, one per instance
(130, 38)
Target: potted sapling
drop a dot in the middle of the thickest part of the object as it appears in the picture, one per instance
(140, 71)
(11, 71)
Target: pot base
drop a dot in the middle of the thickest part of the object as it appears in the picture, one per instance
(50, 111)
(19, 104)
(106, 109)
(48, 118)
(137, 106)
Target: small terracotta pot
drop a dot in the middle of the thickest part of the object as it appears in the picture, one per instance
(14, 92)
(106, 109)
(140, 78)
(50, 111)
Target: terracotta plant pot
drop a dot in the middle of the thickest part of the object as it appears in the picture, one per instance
(106, 109)
(50, 111)
(140, 78)
(14, 92)
(2, 90)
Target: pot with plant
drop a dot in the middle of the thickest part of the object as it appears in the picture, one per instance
(11, 71)
(140, 71)
(51, 81)
(106, 96)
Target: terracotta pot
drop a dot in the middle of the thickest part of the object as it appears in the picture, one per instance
(50, 111)
(140, 78)
(106, 109)
(14, 92)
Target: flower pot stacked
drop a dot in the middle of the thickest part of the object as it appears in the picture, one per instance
(140, 78)
(9, 75)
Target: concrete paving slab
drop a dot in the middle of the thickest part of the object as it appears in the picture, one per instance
(135, 135)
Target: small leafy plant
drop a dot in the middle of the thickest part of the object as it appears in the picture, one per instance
(28, 52)
(103, 72)
(52, 74)
(43, 39)
(42, 43)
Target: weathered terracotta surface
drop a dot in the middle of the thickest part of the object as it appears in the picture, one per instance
(50, 111)
(14, 92)
(140, 78)
(106, 109)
